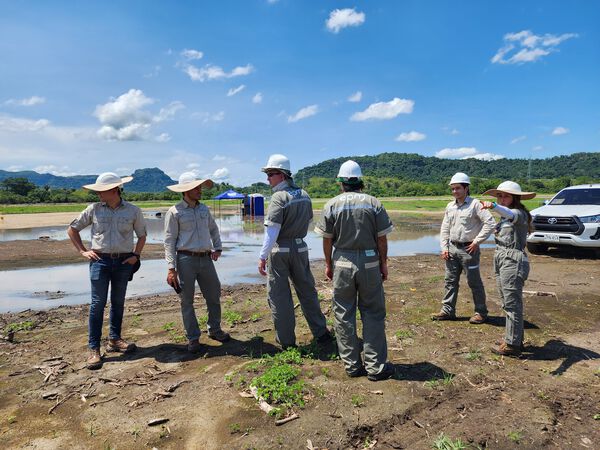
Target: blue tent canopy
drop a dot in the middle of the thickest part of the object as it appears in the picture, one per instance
(229, 195)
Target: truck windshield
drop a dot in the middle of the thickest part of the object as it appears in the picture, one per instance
(577, 197)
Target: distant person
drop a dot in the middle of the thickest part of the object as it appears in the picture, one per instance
(357, 225)
(112, 257)
(284, 256)
(192, 244)
(511, 265)
(465, 226)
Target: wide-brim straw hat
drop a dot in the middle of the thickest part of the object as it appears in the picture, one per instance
(188, 181)
(512, 188)
(107, 181)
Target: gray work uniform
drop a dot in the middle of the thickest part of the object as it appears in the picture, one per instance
(511, 267)
(462, 225)
(193, 229)
(291, 208)
(354, 221)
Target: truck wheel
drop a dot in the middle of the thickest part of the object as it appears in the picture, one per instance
(537, 249)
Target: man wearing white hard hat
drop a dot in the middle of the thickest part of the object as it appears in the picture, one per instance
(511, 264)
(284, 256)
(112, 258)
(192, 244)
(357, 225)
(465, 227)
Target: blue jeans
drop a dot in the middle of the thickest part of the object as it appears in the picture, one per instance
(103, 272)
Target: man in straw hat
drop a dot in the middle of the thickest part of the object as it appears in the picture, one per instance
(511, 264)
(356, 225)
(192, 243)
(112, 258)
(465, 226)
(284, 255)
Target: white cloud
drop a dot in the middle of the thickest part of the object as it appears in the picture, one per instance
(163, 137)
(303, 113)
(219, 158)
(63, 171)
(231, 92)
(356, 97)
(210, 72)
(31, 101)
(125, 119)
(560, 130)
(384, 110)
(411, 136)
(524, 47)
(154, 73)
(537, 148)
(206, 117)
(191, 54)
(220, 174)
(518, 139)
(466, 153)
(258, 98)
(342, 18)
(18, 124)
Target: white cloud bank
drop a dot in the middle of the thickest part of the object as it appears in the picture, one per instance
(342, 18)
(31, 101)
(356, 97)
(411, 136)
(384, 110)
(220, 174)
(560, 130)
(211, 72)
(236, 90)
(466, 153)
(524, 47)
(304, 113)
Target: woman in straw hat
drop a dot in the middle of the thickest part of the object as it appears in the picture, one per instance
(511, 265)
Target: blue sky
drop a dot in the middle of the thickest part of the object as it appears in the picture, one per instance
(216, 87)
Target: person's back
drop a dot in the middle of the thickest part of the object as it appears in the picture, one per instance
(294, 208)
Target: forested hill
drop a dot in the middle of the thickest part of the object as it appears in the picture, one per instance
(414, 167)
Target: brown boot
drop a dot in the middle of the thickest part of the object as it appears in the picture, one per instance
(505, 349)
(94, 360)
(442, 315)
(478, 319)
(119, 345)
(194, 346)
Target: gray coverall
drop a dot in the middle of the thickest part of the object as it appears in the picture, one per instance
(291, 208)
(511, 267)
(354, 221)
(462, 225)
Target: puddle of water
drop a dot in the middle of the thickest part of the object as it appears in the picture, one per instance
(43, 288)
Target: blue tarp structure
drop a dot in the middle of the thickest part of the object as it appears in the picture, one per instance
(229, 195)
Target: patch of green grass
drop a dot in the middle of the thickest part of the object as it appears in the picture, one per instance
(325, 371)
(435, 278)
(202, 321)
(357, 400)
(515, 436)
(255, 317)
(404, 334)
(136, 320)
(542, 395)
(474, 354)
(177, 337)
(279, 385)
(26, 325)
(596, 416)
(444, 442)
(232, 317)
(446, 380)
(169, 326)
(234, 428)
(11, 419)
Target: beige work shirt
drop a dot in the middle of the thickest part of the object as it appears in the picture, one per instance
(189, 228)
(354, 221)
(468, 222)
(112, 229)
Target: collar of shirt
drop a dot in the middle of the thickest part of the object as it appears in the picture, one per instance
(187, 205)
(121, 203)
(468, 200)
(281, 186)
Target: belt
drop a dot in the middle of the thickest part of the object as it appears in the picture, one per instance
(190, 253)
(113, 255)
(461, 244)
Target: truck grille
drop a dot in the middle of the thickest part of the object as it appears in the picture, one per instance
(571, 225)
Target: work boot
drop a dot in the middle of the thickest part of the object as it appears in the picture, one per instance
(219, 335)
(503, 342)
(361, 372)
(478, 319)
(443, 315)
(505, 349)
(387, 372)
(94, 359)
(325, 338)
(194, 346)
(119, 345)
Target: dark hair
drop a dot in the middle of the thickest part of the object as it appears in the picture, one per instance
(353, 187)
(467, 186)
(516, 204)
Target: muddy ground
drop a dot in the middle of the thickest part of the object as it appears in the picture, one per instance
(447, 380)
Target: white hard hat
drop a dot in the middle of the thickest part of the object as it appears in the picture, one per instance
(107, 181)
(350, 169)
(278, 162)
(460, 178)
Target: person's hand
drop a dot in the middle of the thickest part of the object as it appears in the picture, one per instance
(472, 248)
(328, 272)
(131, 260)
(487, 205)
(262, 267)
(173, 279)
(215, 255)
(445, 255)
(90, 254)
(383, 268)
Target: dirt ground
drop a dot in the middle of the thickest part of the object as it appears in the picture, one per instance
(447, 380)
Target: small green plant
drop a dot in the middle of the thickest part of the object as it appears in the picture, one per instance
(357, 400)
(278, 385)
(368, 442)
(321, 296)
(92, 431)
(232, 317)
(202, 321)
(515, 436)
(168, 326)
(330, 323)
(446, 380)
(11, 419)
(325, 371)
(474, 354)
(596, 416)
(164, 432)
(404, 334)
(234, 428)
(176, 336)
(20, 326)
(443, 442)
(542, 395)
(255, 317)
(136, 433)
(136, 320)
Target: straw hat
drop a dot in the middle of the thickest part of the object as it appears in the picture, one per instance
(106, 181)
(188, 181)
(512, 188)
